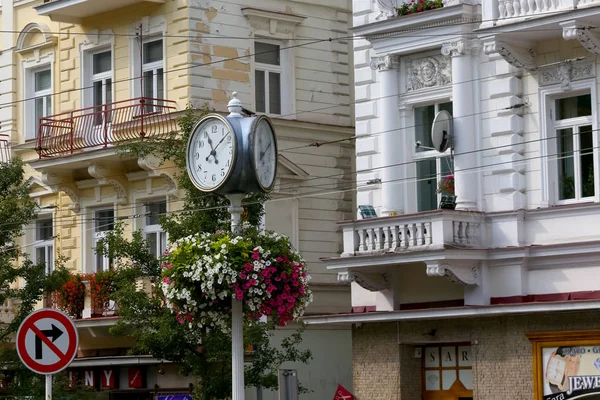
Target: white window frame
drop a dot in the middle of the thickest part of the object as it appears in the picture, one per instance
(47, 244)
(286, 77)
(89, 77)
(97, 236)
(427, 154)
(153, 66)
(29, 68)
(548, 148)
(154, 229)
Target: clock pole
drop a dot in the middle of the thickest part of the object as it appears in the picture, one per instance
(237, 312)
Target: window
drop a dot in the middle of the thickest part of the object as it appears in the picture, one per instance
(447, 369)
(104, 221)
(153, 71)
(43, 247)
(38, 87)
(101, 83)
(267, 75)
(431, 166)
(153, 233)
(574, 147)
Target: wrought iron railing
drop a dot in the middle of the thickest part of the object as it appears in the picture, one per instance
(102, 126)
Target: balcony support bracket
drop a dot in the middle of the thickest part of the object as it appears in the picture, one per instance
(372, 282)
(465, 273)
(517, 56)
(107, 176)
(56, 184)
(154, 166)
(583, 34)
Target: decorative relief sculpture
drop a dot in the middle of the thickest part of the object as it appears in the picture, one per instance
(428, 72)
(459, 274)
(565, 73)
(384, 63)
(515, 56)
(586, 37)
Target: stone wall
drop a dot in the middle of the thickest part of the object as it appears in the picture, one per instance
(384, 366)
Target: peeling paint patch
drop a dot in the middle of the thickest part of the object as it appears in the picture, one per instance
(224, 51)
(211, 14)
(219, 96)
(234, 64)
(201, 27)
(230, 75)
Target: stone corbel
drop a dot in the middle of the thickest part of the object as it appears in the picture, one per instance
(372, 282)
(384, 63)
(75, 202)
(516, 56)
(119, 190)
(152, 164)
(457, 48)
(463, 274)
(106, 176)
(574, 31)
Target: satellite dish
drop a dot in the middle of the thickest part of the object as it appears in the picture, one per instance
(441, 131)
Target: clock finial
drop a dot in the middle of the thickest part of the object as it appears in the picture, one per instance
(235, 106)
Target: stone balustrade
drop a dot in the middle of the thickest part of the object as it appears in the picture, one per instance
(509, 11)
(421, 231)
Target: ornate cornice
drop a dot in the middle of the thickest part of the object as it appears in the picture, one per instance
(384, 63)
(371, 282)
(566, 72)
(460, 274)
(587, 38)
(457, 48)
(515, 56)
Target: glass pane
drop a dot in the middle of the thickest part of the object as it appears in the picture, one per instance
(154, 211)
(40, 255)
(50, 262)
(39, 111)
(587, 161)
(163, 242)
(566, 168)
(464, 356)
(266, 53)
(432, 380)
(48, 105)
(260, 90)
(445, 106)
(448, 378)
(466, 378)
(432, 357)
(426, 185)
(149, 84)
(160, 85)
(153, 51)
(104, 220)
(98, 100)
(101, 62)
(449, 356)
(446, 165)
(108, 99)
(151, 241)
(274, 93)
(43, 229)
(42, 80)
(423, 120)
(99, 263)
(572, 107)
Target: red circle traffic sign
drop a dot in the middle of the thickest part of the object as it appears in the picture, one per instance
(47, 341)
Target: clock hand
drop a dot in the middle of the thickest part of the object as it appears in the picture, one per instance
(262, 153)
(212, 150)
(221, 141)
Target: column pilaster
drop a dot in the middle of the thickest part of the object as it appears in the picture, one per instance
(391, 134)
(466, 172)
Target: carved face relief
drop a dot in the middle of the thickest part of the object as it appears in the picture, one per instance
(427, 72)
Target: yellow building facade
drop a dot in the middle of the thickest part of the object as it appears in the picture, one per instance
(81, 76)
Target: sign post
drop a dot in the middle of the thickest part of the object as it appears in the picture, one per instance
(47, 342)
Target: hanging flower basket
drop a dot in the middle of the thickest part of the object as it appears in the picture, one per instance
(71, 297)
(203, 272)
(417, 6)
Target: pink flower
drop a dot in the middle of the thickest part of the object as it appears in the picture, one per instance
(170, 266)
(167, 280)
(248, 267)
(242, 275)
(255, 255)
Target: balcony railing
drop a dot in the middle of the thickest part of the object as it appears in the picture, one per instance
(512, 10)
(102, 126)
(412, 232)
(75, 10)
(4, 150)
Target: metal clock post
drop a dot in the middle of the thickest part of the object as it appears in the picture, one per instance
(233, 156)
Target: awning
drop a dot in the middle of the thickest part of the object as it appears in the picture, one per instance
(117, 360)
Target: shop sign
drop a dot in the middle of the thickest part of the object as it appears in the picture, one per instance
(88, 378)
(174, 397)
(71, 380)
(135, 377)
(107, 379)
(571, 372)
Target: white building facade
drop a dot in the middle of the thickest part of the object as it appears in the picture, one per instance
(487, 278)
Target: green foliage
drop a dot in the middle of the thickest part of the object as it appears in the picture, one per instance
(17, 210)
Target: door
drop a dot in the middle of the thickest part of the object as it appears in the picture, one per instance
(447, 372)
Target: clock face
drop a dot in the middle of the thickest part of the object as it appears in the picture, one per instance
(210, 154)
(265, 154)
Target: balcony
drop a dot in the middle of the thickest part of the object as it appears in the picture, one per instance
(431, 230)
(76, 10)
(103, 126)
(510, 11)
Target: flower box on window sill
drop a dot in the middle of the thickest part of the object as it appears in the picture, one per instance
(448, 202)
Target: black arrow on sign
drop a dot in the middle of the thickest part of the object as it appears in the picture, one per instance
(51, 334)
